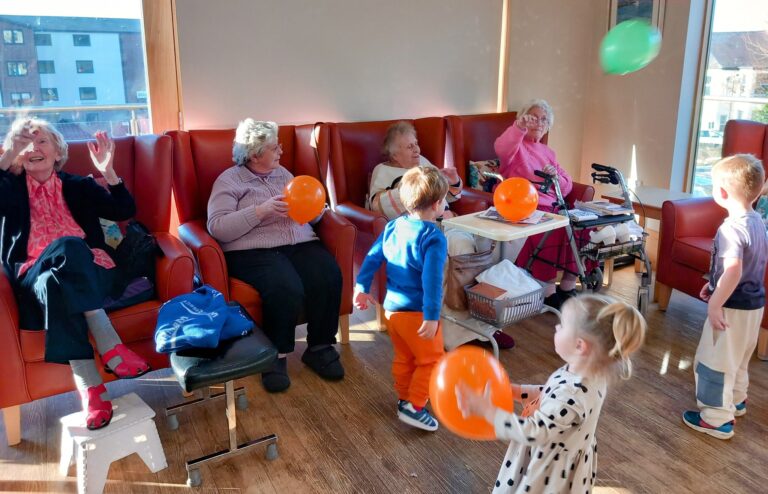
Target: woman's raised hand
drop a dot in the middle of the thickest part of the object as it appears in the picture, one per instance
(550, 170)
(103, 154)
(526, 121)
(450, 174)
(274, 206)
(21, 141)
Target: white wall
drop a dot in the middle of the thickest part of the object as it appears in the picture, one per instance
(297, 61)
(551, 53)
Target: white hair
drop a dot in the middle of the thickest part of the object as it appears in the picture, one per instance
(32, 124)
(250, 139)
(544, 106)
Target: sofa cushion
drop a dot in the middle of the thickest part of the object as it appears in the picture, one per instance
(694, 252)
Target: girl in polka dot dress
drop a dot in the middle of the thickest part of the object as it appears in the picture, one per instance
(553, 448)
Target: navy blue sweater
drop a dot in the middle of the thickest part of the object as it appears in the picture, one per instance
(415, 252)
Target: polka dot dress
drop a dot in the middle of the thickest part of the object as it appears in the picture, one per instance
(553, 448)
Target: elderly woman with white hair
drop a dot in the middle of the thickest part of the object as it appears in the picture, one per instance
(521, 153)
(283, 260)
(54, 253)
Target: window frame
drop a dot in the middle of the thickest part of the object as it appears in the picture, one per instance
(12, 31)
(45, 90)
(77, 66)
(18, 62)
(53, 66)
(21, 100)
(77, 36)
(80, 93)
(38, 35)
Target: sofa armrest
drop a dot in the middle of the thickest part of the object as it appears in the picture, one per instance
(580, 192)
(206, 250)
(695, 217)
(338, 235)
(472, 201)
(364, 220)
(175, 269)
(14, 391)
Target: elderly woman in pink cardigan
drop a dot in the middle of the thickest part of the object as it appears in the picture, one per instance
(521, 153)
(280, 258)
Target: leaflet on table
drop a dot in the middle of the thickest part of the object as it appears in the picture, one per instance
(534, 219)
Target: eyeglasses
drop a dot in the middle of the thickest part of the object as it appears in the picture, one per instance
(540, 121)
(277, 148)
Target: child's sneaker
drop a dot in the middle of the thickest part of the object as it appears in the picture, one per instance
(741, 409)
(693, 420)
(421, 419)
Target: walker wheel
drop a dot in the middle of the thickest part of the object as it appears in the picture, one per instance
(241, 402)
(595, 280)
(172, 421)
(272, 452)
(194, 479)
(642, 300)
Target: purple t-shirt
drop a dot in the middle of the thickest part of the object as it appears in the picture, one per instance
(744, 238)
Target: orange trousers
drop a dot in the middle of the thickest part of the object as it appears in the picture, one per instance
(415, 357)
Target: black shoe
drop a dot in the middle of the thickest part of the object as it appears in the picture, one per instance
(565, 294)
(554, 301)
(325, 362)
(277, 379)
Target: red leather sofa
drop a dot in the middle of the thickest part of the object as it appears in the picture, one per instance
(144, 163)
(689, 225)
(199, 157)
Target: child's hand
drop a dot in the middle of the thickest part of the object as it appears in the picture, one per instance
(473, 404)
(704, 293)
(428, 330)
(716, 316)
(362, 299)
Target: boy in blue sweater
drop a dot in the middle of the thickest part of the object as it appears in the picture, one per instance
(416, 251)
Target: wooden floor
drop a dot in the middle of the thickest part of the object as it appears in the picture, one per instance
(344, 437)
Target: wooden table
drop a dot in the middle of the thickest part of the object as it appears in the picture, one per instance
(647, 204)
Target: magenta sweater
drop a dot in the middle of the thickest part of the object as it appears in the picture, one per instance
(520, 158)
(231, 217)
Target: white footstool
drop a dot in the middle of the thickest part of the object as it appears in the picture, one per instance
(131, 430)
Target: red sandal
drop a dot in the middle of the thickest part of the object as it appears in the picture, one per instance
(98, 412)
(132, 365)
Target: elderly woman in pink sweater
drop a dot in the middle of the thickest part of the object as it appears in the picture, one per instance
(521, 153)
(280, 258)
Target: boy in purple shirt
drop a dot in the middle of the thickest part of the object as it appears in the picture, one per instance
(735, 293)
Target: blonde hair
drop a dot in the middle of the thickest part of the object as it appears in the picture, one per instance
(251, 137)
(545, 108)
(32, 124)
(421, 187)
(393, 132)
(742, 175)
(615, 329)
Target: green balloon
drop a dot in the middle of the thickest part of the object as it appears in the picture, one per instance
(629, 46)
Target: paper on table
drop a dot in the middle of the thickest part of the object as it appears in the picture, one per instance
(534, 219)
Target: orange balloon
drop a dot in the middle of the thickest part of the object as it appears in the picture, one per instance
(305, 197)
(476, 367)
(515, 199)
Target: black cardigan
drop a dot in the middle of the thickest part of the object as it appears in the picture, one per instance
(87, 201)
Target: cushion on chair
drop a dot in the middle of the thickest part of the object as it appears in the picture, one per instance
(694, 252)
(233, 359)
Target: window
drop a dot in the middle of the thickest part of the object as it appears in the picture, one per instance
(46, 67)
(63, 54)
(87, 93)
(13, 37)
(84, 66)
(42, 39)
(21, 99)
(49, 94)
(16, 69)
(81, 39)
(734, 84)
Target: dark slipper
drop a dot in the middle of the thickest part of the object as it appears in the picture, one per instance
(554, 301)
(565, 294)
(277, 379)
(503, 340)
(325, 362)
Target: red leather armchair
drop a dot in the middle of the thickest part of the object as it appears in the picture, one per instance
(144, 163)
(472, 138)
(200, 156)
(688, 227)
(355, 151)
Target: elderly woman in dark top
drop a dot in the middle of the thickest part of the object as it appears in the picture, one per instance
(280, 258)
(54, 253)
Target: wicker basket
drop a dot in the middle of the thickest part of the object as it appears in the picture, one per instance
(599, 252)
(502, 313)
